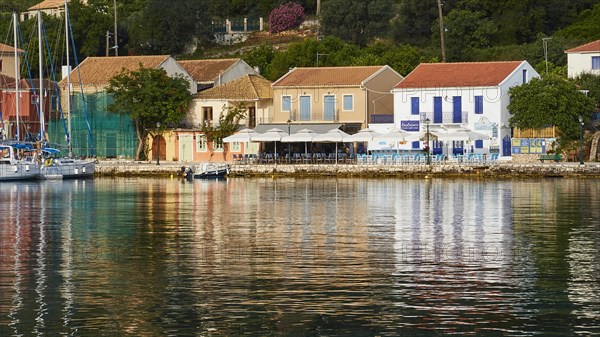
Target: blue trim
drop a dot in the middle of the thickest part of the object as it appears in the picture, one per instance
(414, 106)
(437, 110)
(479, 105)
(479, 144)
(456, 109)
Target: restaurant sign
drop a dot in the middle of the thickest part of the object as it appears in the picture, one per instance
(410, 125)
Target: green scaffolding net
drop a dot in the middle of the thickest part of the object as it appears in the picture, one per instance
(112, 134)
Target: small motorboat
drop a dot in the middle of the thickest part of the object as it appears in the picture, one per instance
(210, 170)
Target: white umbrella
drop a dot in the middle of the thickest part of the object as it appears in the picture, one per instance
(462, 134)
(272, 135)
(304, 135)
(332, 136)
(363, 135)
(396, 135)
(243, 136)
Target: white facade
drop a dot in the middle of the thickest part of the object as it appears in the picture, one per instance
(491, 119)
(174, 69)
(583, 62)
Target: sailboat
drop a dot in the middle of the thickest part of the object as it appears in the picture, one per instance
(55, 165)
(18, 161)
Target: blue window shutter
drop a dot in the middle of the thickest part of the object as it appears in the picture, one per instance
(437, 110)
(595, 62)
(457, 109)
(329, 107)
(286, 103)
(478, 104)
(305, 108)
(348, 103)
(414, 103)
(416, 144)
(479, 144)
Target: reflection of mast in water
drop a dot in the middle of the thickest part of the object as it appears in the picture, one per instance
(17, 299)
(40, 271)
(66, 290)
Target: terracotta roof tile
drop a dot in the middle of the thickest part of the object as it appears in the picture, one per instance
(326, 76)
(99, 70)
(47, 4)
(444, 75)
(593, 46)
(247, 87)
(207, 70)
(4, 48)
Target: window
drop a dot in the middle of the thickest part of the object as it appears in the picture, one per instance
(201, 143)
(479, 144)
(416, 144)
(304, 108)
(236, 147)
(207, 115)
(329, 108)
(437, 110)
(595, 62)
(524, 76)
(0, 65)
(218, 145)
(348, 102)
(286, 103)
(414, 106)
(479, 104)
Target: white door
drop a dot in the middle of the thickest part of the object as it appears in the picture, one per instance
(186, 147)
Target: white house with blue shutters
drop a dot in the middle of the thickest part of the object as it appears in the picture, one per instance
(447, 97)
(584, 59)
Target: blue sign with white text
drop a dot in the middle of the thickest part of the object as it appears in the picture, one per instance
(410, 125)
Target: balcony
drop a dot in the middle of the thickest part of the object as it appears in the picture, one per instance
(447, 118)
(381, 119)
(312, 116)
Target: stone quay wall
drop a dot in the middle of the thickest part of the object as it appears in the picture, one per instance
(548, 169)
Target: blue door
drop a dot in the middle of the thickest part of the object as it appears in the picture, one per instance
(506, 146)
(437, 110)
(329, 107)
(304, 108)
(456, 109)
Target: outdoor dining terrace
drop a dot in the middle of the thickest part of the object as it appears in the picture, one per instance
(374, 158)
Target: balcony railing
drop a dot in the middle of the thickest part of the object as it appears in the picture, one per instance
(381, 119)
(447, 117)
(312, 116)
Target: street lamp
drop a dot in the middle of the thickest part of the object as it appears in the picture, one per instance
(289, 123)
(581, 140)
(427, 121)
(158, 144)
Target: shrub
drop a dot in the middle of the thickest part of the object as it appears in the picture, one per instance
(284, 17)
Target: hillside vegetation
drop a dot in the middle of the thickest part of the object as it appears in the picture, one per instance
(400, 33)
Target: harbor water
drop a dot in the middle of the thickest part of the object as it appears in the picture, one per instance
(300, 257)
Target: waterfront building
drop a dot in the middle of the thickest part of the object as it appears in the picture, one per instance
(446, 97)
(49, 7)
(325, 98)
(113, 134)
(252, 92)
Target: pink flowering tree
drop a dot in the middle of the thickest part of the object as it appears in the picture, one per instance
(284, 17)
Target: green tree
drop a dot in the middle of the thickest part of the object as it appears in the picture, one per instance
(229, 123)
(413, 20)
(149, 96)
(357, 21)
(591, 83)
(465, 30)
(160, 29)
(551, 100)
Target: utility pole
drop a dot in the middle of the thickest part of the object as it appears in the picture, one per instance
(107, 42)
(545, 43)
(441, 15)
(318, 7)
(116, 35)
(318, 54)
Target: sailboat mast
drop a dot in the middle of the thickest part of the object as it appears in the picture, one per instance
(68, 81)
(41, 95)
(17, 107)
